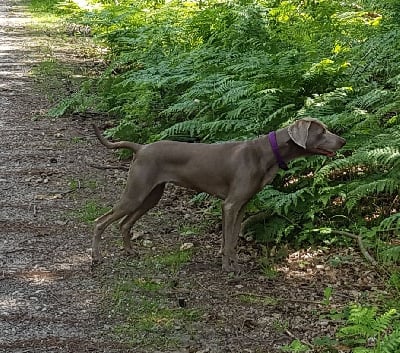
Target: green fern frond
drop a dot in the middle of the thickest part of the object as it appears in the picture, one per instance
(360, 315)
(190, 127)
(367, 188)
(322, 175)
(371, 99)
(382, 322)
(212, 84)
(391, 255)
(236, 113)
(390, 343)
(232, 90)
(392, 222)
(185, 108)
(279, 114)
(387, 157)
(324, 105)
(281, 202)
(214, 127)
(252, 65)
(364, 322)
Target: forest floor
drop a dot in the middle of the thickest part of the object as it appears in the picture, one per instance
(165, 299)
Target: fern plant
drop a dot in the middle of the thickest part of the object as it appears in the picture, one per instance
(224, 70)
(368, 332)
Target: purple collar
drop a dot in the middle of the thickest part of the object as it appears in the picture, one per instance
(272, 140)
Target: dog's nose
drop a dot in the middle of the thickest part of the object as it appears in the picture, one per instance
(342, 141)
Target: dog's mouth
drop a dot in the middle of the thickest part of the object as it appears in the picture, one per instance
(325, 152)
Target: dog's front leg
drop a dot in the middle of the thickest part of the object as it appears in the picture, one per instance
(232, 215)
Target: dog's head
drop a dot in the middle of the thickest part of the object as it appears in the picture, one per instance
(314, 137)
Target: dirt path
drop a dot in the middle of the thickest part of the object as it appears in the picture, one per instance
(49, 300)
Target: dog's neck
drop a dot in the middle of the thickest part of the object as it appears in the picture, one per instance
(287, 148)
(275, 149)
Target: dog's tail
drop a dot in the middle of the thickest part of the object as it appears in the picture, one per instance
(121, 144)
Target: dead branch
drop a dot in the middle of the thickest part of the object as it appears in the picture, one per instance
(360, 243)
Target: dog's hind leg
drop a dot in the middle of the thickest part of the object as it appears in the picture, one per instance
(128, 222)
(101, 224)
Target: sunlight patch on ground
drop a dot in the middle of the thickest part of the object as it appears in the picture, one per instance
(14, 18)
(37, 276)
(8, 44)
(75, 261)
(304, 264)
(87, 5)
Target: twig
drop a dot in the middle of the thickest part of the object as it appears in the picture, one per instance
(12, 251)
(108, 167)
(308, 344)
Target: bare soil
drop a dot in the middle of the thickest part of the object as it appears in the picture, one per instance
(51, 300)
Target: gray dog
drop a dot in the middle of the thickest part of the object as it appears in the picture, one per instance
(232, 171)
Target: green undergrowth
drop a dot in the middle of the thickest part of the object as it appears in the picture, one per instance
(90, 210)
(365, 329)
(66, 55)
(141, 295)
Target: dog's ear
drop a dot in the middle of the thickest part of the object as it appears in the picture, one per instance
(298, 132)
